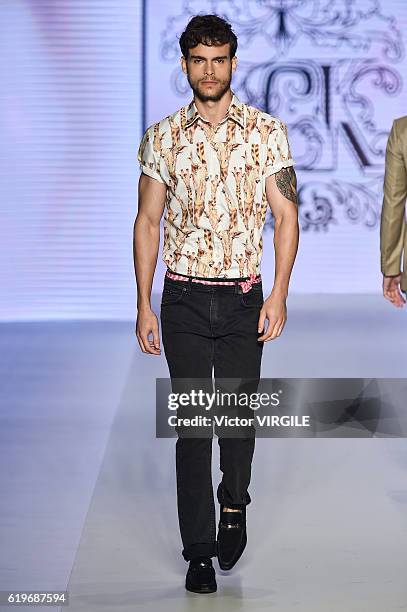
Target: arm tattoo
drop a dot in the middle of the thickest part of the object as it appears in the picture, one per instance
(287, 183)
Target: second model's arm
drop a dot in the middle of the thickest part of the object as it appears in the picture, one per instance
(392, 223)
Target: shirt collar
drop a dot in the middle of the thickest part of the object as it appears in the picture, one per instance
(235, 111)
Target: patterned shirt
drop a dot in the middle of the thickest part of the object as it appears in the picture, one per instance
(216, 196)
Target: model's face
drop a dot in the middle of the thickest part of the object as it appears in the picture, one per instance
(209, 71)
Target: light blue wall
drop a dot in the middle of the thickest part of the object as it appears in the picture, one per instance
(72, 118)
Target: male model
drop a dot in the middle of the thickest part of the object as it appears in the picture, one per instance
(393, 235)
(214, 164)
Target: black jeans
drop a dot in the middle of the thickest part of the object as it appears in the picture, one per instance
(205, 327)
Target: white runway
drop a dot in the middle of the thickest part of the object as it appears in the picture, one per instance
(88, 499)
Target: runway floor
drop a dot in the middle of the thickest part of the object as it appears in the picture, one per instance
(88, 498)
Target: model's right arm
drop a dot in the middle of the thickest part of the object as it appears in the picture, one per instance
(146, 242)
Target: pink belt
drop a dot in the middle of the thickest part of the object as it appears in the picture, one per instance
(246, 285)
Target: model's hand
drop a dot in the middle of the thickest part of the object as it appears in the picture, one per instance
(273, 309)
(391, 290)
(146, 324)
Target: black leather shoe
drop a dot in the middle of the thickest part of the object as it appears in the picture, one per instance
(232, 537)
(201, 576)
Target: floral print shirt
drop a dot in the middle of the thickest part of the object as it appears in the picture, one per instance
(216, 196)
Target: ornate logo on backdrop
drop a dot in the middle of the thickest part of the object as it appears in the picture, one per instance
(325, 67)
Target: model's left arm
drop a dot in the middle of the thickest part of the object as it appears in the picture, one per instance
(281, 192)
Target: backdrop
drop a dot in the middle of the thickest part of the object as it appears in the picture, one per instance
(81, 82)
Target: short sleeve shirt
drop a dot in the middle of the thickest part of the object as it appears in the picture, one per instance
(216, 194)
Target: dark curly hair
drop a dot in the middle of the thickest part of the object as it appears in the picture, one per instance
(207, 30)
